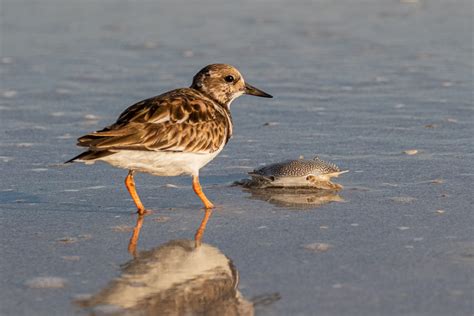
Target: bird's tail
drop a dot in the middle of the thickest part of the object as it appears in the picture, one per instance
(90, 155)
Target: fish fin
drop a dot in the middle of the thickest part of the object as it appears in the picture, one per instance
(336, 174)
(258, 176)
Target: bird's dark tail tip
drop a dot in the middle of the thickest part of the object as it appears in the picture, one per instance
(77, 157)
(90, 155)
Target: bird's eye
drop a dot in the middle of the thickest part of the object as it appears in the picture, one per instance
(229, 78)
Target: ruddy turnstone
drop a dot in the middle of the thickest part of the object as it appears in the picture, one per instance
(175, 133)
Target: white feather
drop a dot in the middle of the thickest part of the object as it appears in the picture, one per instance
(160, 163)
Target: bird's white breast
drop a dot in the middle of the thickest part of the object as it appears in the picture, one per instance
(161, 163)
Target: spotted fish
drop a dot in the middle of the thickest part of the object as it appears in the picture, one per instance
(314, 173)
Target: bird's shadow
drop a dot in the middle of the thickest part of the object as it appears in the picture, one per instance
(177, 277)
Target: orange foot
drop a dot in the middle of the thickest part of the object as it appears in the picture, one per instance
(130, 184)
(198, 190)
(143, 212)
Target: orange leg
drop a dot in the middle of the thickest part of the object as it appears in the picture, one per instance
(202, 228)
(130, 184)
(198, 190)
(132, 245)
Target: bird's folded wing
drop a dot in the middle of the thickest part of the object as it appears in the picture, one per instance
(176, 121)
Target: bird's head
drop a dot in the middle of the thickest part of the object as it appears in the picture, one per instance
(223, 83)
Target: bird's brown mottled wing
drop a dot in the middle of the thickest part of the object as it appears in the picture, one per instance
(180, 120)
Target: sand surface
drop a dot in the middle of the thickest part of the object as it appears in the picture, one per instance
(380, 87)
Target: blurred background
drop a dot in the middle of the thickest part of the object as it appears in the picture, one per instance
(380, 87)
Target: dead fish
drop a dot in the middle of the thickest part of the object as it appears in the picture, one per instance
(314, 173)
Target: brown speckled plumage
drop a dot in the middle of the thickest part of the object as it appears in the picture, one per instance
(180, 120)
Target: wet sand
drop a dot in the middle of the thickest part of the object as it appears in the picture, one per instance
(382, 88)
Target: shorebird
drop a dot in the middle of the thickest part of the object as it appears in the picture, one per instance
(175, 133)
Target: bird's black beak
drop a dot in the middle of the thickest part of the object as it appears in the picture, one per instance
(256, 92)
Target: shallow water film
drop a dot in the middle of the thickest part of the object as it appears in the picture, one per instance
(382, 88)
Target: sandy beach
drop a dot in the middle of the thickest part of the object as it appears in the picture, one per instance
(381, 88)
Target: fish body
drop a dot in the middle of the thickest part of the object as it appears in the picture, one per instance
(314, 173)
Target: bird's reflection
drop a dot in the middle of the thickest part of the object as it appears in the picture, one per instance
(295, 198)
(180, 277)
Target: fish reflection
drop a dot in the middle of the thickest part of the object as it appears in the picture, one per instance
(295, 198)
(180, 277)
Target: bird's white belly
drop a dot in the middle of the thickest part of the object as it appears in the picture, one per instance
(160, 163)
